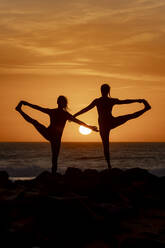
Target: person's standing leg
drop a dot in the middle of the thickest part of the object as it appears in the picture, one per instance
(55, 147)
(105, 141)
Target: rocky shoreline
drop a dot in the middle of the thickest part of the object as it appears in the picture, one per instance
(84, 209)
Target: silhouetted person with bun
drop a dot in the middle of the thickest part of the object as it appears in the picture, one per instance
(106, 121)
(54, 131)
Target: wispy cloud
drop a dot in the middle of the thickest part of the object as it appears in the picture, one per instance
(121, 39)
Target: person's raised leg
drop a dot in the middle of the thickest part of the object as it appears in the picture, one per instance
(40, 128)
(55, 147)
(25, 116)
(105, 141)
(122, 119)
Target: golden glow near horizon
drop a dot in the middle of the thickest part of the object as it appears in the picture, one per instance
(49, 48)
(84, 130)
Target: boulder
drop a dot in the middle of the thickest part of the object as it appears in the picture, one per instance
(4, 178)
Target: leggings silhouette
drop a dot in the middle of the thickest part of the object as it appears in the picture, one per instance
(53, 133)
(106, 121)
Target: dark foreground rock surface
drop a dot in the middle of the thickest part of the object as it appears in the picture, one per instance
(84, 209)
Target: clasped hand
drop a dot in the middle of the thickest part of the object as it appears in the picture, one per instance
(94, 128)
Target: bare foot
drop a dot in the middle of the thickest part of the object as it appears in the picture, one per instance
(146, 104)
(18, 108)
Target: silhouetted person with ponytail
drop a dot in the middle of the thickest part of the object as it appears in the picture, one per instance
(54, 131)
(106, 121)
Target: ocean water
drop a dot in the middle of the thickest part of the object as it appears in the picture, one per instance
(24, 160)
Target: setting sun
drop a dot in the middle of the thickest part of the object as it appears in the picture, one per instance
(84, 130)
(71, 48)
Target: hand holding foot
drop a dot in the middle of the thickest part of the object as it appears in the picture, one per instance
(24, 102)
(18, 107)
(140, 100)
(146, 104)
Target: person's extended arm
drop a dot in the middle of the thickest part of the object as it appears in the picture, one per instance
(89, 107)
(72, 118)
(44, 110)
(127, 101)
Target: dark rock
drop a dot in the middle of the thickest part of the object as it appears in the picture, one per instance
(84, 209)
(73, 172)
(99, 244)
(4, 177)
(142, 242)
(137, 174)
(149, 235)
(45, 177)
(89, 173)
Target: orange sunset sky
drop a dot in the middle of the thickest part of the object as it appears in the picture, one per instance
(49, 48)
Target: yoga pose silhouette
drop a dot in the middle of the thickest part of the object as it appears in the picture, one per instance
(106, 121)
(54, 131)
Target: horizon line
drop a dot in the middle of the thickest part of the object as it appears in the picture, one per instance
(83, 142)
